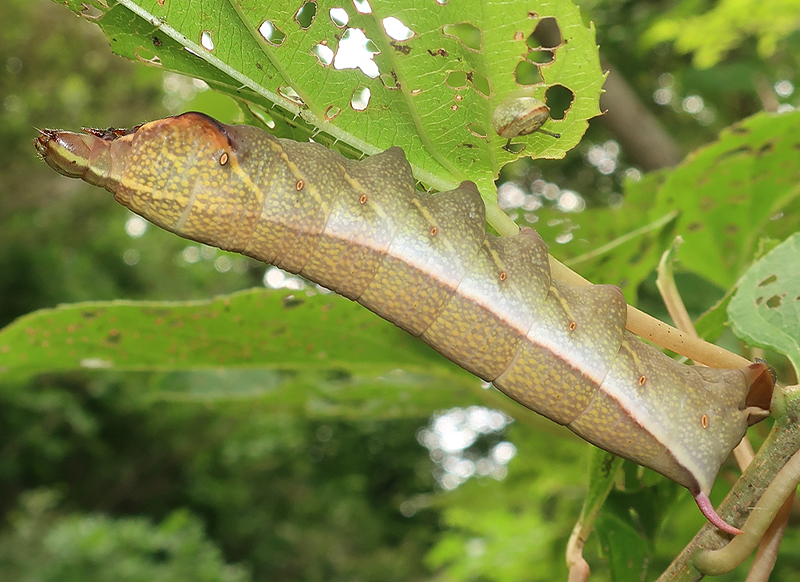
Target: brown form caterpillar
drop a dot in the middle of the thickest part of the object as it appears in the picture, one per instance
(426, 263)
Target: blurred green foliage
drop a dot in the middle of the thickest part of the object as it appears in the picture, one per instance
(43, 545)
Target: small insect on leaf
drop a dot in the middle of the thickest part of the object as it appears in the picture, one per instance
(519, 115)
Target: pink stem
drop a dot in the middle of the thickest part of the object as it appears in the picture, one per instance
(704, 503)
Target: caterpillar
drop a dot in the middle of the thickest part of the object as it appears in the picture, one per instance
(426, 263)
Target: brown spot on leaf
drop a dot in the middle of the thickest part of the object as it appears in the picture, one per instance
(775, 301)
(401, 48)
(768, 281)
(290, 302)
(707, 203)
(765, 149)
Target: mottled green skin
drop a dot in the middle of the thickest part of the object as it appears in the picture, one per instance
(426, 263)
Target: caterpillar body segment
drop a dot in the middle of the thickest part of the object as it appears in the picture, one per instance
(426, 263)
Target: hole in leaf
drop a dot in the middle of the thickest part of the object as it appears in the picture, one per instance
(323, 53)
(469, 35)
(206, 41)
(559, 100)
(527, 74)
(356, 52)
(477, 130)
(362, 6)
(480, 83)
(91, 12)
(331, 112)
(514, 148)
(271, 33)
(546, 34)
(389, 81)
(765, 149)
(261, 114)
(456, 79)
(190, 51)
(339, 17)
(291, 95)
(396, 29)
(360, 98)
(306, 14)
(739, 151)
(774, 302)
(768, 281)
(148, 57)
(540, 56)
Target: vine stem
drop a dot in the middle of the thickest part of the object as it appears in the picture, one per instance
(780, 446)
(716, 562)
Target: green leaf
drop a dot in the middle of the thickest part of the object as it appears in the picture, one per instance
(319, 355)
(733, 192)
(730, 23)
(627, 552)
(729, 195)
(628, 523)
(603, 467)
(434, 94)
(257, 328)
(711, 324)
(764, 310)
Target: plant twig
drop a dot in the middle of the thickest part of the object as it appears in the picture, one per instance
(768, 550)
(715, 562)
(781, 445)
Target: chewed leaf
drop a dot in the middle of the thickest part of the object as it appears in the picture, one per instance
(432, 75)
(765, 310)
(258, 328)
(745, 180)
